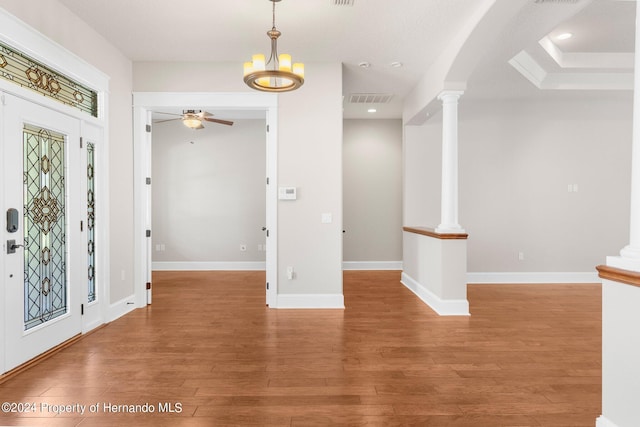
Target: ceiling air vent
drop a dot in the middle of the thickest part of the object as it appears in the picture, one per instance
(342, 2)
(370, 98)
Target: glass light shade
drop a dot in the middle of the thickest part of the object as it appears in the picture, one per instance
(264, 81)
(284, 61)
(248, 68)
(258, 62)
(192, 123)
(298, 69)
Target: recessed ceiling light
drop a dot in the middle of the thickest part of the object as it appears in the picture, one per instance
(371, 110)
(364, 64)
(564, 36)
(396, 64)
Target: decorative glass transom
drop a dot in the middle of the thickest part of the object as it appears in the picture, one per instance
(45, 276)
(91, 222)
(24, 71)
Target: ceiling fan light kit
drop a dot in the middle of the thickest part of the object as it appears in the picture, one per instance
(193, 119)
(278, 73)
(192, 122)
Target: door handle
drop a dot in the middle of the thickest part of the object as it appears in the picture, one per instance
(12, 246)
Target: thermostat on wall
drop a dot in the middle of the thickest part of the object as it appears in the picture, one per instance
(287, 193)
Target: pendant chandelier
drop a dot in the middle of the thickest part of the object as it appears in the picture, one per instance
(276, 74)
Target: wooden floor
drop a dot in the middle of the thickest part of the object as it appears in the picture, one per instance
(530, 355)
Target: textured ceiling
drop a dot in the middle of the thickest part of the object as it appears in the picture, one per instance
(380, 32)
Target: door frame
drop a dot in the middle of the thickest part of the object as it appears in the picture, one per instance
(143, 105)
(24, 38)
(23, 344)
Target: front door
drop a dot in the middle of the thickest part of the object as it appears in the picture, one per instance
(44, 256)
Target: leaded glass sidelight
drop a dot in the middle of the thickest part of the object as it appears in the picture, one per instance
(45, 277)
(91, 222)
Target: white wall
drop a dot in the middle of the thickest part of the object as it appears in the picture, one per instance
(422, 169)
(56, 22)
(208, 192)
(620, 353)
(516, 161)
(372, 173)
(309, 158)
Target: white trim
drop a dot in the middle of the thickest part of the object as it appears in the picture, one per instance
(443, 307)
(587, 60)
(143, 104)
(603, 421)
(120, 308)
(26, 39)
(529, 68)
(209, 266)
(533, 277)
(92, 325)
(526, 65)
(271, 255)
(323, 301)
(372, 265)
(22, 37)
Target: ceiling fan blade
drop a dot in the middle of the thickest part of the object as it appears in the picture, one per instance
(167, 120)
(222, 122)
(168, 114)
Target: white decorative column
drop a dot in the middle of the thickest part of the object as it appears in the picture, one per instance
(621, 299)
(449, 207)
(631, 253)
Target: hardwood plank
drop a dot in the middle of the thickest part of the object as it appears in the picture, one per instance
(529, 355)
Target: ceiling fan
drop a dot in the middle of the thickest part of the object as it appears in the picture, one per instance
(193, 118)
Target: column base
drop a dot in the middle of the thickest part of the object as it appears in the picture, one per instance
(449, 229)
(631, 252)
(624, 262)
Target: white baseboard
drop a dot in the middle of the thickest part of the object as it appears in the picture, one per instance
(120, 308)
(372, 265)
(550, 277)
(310, 301)
(602, 421)
(91, 326)
(209, 266)
(440, 306)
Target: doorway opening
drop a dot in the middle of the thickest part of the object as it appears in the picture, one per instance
(145, 103)
(208, 192)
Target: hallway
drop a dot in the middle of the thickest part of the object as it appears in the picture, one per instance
(208, 352)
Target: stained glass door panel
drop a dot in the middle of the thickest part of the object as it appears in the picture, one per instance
(43, 280)
(45, 275)
(91, 223)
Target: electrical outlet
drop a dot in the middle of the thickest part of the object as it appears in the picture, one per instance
(521, 256)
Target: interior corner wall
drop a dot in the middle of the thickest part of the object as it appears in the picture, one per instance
(54, 20)
(422, 170)
(372, 174)
(309, 158)
(517, 160)
(209, 192)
